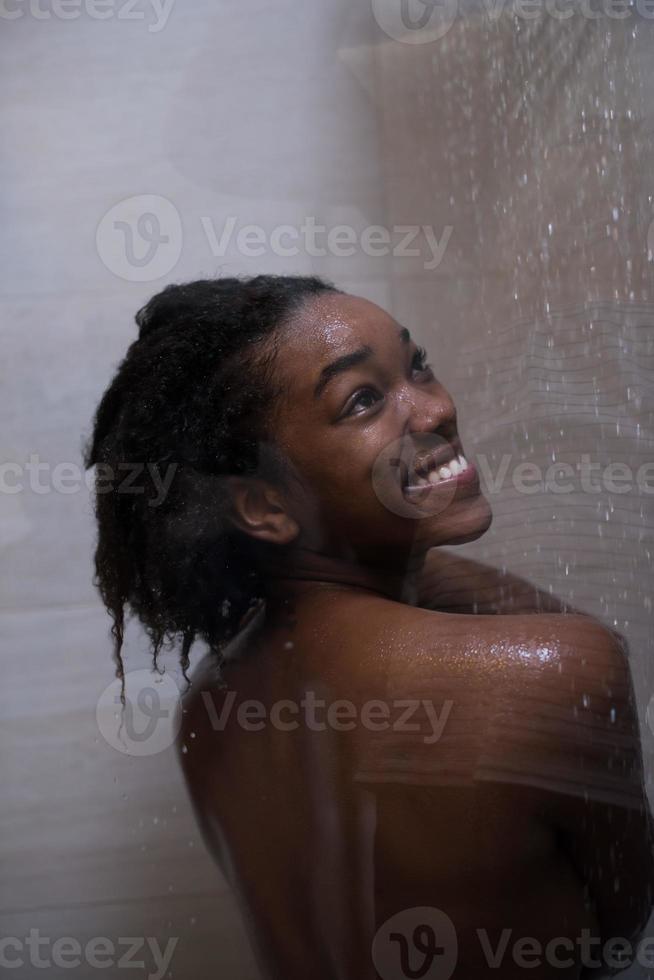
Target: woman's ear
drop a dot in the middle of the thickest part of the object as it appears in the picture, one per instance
(259, 510)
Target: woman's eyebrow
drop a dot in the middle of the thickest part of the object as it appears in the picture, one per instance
(348, 361)
(341, 364)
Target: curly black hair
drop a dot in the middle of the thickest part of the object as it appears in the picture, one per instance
(192, 401)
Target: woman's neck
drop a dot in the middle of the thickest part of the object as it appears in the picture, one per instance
(304, 571)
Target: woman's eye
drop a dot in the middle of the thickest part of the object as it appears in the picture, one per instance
(419, 364)
(363, 400)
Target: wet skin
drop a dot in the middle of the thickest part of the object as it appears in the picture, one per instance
(517, 807)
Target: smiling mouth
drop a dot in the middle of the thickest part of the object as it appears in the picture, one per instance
(457, 465)
(444, 465)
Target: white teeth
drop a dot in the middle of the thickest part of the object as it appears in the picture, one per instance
(455, 467)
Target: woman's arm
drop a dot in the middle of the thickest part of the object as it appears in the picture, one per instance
(449, 583)
(608, 833)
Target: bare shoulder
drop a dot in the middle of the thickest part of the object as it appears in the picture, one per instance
(543, 701)
(372, 641)
(551, 646)
(567, 666)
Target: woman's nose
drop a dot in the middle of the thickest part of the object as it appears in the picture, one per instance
(431, 412)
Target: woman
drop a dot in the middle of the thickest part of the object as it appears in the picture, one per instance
(396, 780)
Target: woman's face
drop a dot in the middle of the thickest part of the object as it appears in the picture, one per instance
(367, 429)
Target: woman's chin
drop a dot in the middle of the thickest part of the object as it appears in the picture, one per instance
(469, 521)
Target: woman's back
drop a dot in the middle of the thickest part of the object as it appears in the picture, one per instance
(366, 758)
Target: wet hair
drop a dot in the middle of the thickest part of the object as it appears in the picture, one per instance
(192, 401)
